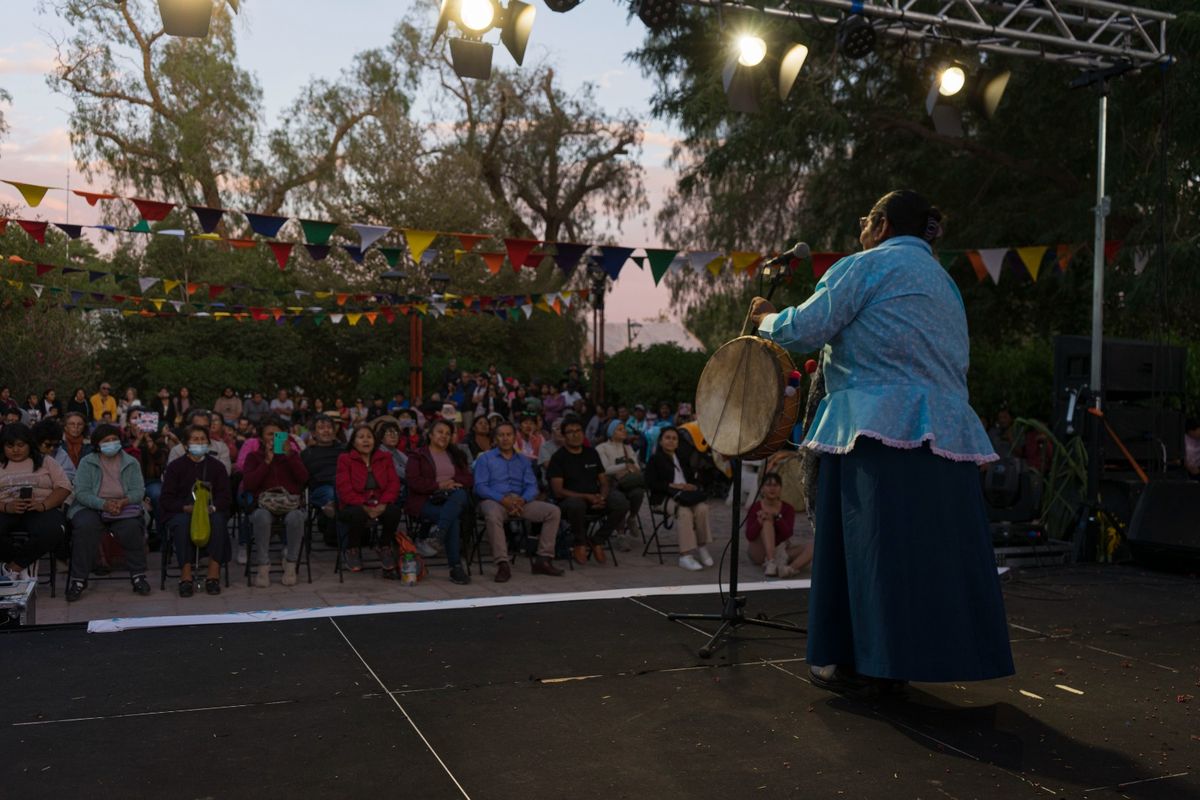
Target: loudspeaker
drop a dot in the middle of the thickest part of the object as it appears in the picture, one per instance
(1166, 520)
(1149, 433)
(1130, 369)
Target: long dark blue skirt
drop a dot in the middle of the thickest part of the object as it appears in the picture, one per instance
(904, 581)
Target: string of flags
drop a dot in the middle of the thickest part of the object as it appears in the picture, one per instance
(518, 253)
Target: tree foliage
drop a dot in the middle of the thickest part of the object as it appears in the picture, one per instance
(658, 373)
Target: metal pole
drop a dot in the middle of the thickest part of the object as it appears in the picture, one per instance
(1095, 456)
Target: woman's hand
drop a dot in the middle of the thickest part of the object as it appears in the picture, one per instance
(759, 308)
(189, 508)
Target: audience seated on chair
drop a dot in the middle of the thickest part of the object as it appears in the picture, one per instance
(220, 450)
(228, 406)
(672, 484)
(75, 441)
(49, 436)
(103, 402)
(577, 480)
(507, 489)
(320, 459)
(368, 490)
(177, 507)
(622, 467)
(109, 490)
(439, 484)
(33, 488)
(276, 476)
(769, 525)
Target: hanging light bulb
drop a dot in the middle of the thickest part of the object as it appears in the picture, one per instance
(751, 50)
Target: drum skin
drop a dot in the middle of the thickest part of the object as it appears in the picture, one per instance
(741, 403)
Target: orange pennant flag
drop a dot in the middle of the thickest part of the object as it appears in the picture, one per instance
(191, 288)
(242, 244)
(1066, 254)
(494, 261)
(371, 316)
(977, 263)
(92, 197)
(341, 299)
(469, 240)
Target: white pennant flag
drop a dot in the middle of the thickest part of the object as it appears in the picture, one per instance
(993, 261)
(702, 259)
(145, 283)
(315, 309)
(370, 234)
(678, 262)
(37, 289)
(336, 319)
(528, 309)
(178, 305)
(301, 293)
(567, 298)
(440, 308)
(1141, 257)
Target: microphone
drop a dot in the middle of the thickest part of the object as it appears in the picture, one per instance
(801, 250)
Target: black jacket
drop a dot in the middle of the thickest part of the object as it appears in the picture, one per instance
(660, 474)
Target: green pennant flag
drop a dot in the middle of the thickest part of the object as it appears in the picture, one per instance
(141, 227)
(660, 262)
(392, 254)
(318, 319)
(514, 314)
(316, 231)
(119, 278)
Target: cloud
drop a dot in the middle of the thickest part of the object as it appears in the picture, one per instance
(52, 146)
(26, 58)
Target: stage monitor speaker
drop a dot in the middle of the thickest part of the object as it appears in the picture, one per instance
(1131, 369)
(1149, 433)
(1166, 520)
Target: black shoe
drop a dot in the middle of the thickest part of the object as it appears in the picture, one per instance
(75, 590)
(141, 586)
(186, 588)
(840, 680)
(459, 575)
(212, 586)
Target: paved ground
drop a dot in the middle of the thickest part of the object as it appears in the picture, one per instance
(106, 599)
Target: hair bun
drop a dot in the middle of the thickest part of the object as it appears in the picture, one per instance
(933, 225)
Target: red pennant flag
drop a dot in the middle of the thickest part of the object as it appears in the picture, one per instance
(152, 210)
(191, 288)
(214, 291)
(534, 260)
(35, 229)
(494, 262)
(388, 314)
(469, 240)
(341, 299)
(118, 298)
(3, 225)
(1111, 250)
(519, 250)
(281, 250)
(823, 261)
(242, 244)
(1065, 253)
(277, 313)
(42, 269)
(92, 197)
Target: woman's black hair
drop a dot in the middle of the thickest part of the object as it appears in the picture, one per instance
(375, 437)
(272, 421)
(910, 215)
(20, 432)
(197, 429)
(48, 430)
(384, 427)
(102, 432)
(666, 428)
(772, 477)
(457, 456)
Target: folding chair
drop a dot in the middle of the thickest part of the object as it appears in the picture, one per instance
(168, 550)
(660, 521)
(303, 555)
(52, 578)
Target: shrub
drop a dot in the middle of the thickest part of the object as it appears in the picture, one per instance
(648, 375)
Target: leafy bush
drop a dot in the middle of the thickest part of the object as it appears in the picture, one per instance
(205, 377)
(1019, 375)
(648, 375)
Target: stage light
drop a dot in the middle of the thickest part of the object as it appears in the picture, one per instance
(518, 25)
(951, 81)
(562, 6)
(188, 18)
(751, 50)
(855, 37)
(477, 16)
(789, 69)
(989, 91)
(658, 15)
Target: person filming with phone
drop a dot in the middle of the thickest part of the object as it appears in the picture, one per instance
(33, 488)
(276, 476)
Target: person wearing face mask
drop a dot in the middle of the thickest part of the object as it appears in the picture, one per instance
(109, 490)
(177, 504)
(904, 583)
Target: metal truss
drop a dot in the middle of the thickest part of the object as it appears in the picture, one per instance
(1091, 34)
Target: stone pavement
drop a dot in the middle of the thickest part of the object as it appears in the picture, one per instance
(107, 599)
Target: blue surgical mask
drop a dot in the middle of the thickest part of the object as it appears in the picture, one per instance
(198, 450)
(110, 448)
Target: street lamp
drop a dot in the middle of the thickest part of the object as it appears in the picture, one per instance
(599, 281)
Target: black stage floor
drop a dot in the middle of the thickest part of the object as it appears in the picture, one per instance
(606, 699)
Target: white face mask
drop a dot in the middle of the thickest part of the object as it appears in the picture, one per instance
(110, 448)
(198, 450)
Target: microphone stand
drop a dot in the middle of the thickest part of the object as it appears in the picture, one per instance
(733, 615)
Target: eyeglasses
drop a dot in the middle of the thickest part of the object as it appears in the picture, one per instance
(106, 388)
(867, 221)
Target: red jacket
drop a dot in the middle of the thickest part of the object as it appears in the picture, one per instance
(285, 471)
(352, 480)
(421, 477)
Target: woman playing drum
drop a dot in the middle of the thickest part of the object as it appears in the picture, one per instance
(904, 582)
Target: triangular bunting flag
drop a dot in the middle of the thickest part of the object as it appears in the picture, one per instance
(37, 289)
(265, 225)
(341, 299)
(177, 305)
(469, 240)
(714, 266)
(214, 291)
(42, 269)
(993, 261)
(1141, 257)
(322, 295)
(370, 234)
(353, 319)
(1032, 257)
(242, 244)
(418, 242)
(35, 229)
(92, 197)
(612, 259)
(169, 286)
(71, 270)
(743, 260)
(1111, 251)
(429, 256)
(567, 255)
(354, 252)
(336, 319)
(32, 193)
(519, 250)
(72, 231)
(281, 250)
(527, 309)
(1065, 254)
(191, 288)
(95, 275)
(977, 264)
(317, 252)
(152, 210)
(317, 231)
(660, 262)
(142, 226)
(144, 284)
(821, 262)
(209, 218)
(391, 255)
(700, 260)
(371, 316)
(494, 262)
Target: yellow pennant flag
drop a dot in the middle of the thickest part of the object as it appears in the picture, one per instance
(158, 303)
(32, 193)
(128, 312)
(715, 265)
(354, 318)
(423, 308)
(1031, 257)
(295, 310)
(743, 260)
(419, 241)
(169, 286)
(16, 284)
(220, 314)
(210, 237)
(322, 295)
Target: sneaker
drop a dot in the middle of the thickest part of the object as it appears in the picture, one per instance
(241, 554)
(781, 556)
(426, 548)
(387, 558)
(262, 578)
(770, 568)
(141, 586)
(289, 573)
(459, 575)
(705, 557)
(689, 562)
(353, 560)
(75, 590)
(786, 571)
